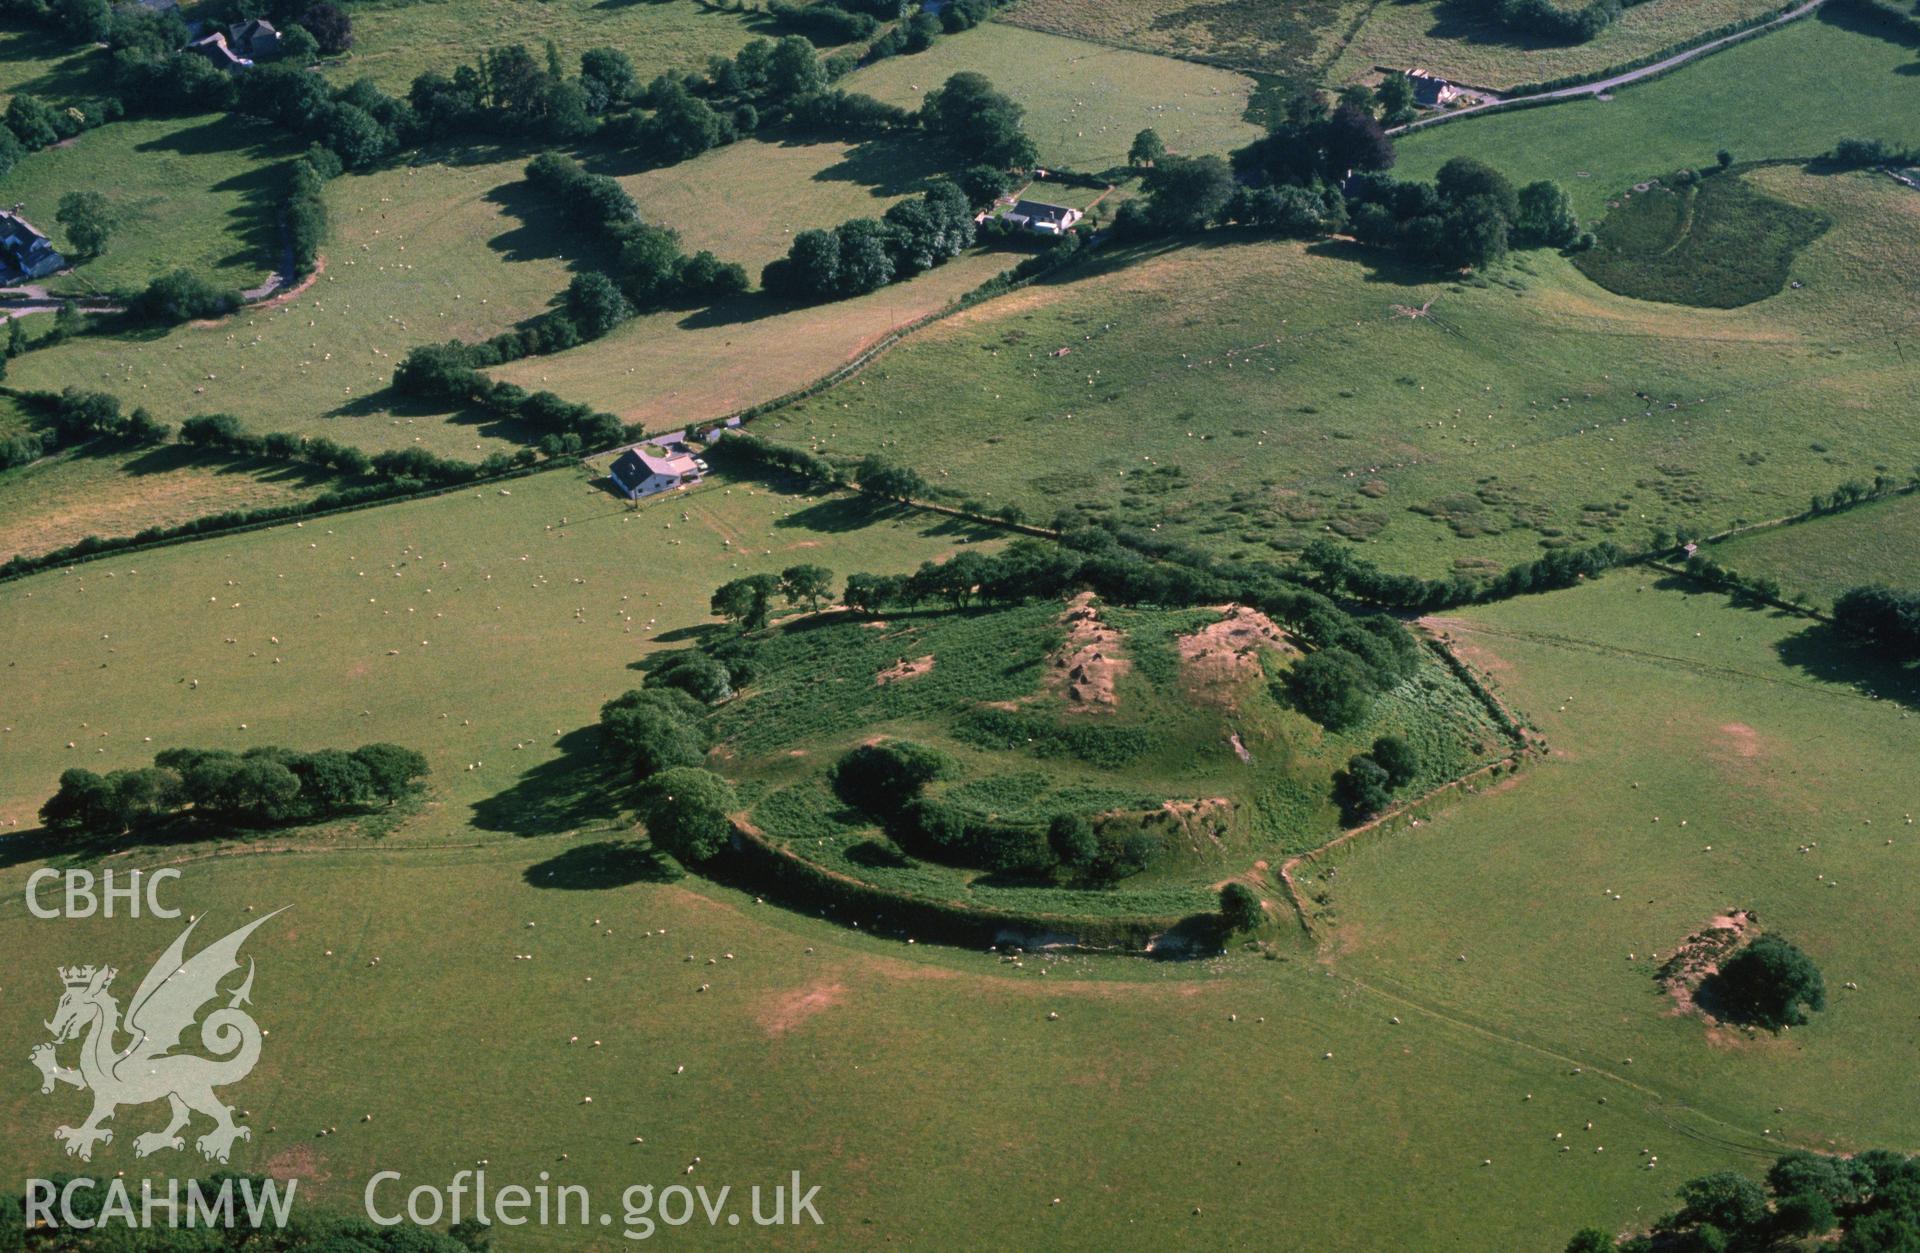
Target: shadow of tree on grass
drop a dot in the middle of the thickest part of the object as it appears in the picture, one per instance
(602, 865)
(577, 789)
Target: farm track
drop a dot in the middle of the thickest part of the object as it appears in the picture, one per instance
(1721, 1133)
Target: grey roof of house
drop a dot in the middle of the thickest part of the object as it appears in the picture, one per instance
(1040, 211)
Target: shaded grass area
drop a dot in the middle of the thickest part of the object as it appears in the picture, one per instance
(106, 490)
(200, 193)
(41, 62)
(1459, 40)
(1825, 80)
(1719, 243)
(461, 625)
(1251, 396)
(1877, 543)
(1084, 102)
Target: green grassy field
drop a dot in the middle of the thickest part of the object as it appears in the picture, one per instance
(1828, 82)
(1084, 102)
(1294, 41)
(61, 500)
(668, 369)
(416, 254)
(40, 63)
(1386, 1049)
(1253, 395)
(199, 192)
(822, 1050)
(1451, 40)
(1720, 243)
(529, 626)
(397, 40)
(776, 188)
(1877, 543)
(1665, 706)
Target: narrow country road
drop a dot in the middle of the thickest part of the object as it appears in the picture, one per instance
(1604, 85)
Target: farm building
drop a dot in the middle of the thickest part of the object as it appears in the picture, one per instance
(638, 472)
(253, 39)
(24, 252)
(1042, 219)
(709, 434)
(1430, 91)
(215, 49)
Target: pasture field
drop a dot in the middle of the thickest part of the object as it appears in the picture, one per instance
(1253, 395)
(827, 1051)
(775, 189)
(1667, 706)
(531, 623)
(1829, 81)
(200, 193)
(416, 254)
(63, 499)
(1454, 41)
(1085, 102)
(1823, 557)
(395, 41)
(40, 63)
(675, 367)
(1294, 41)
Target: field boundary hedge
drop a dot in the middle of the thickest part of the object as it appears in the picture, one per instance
(325, 506)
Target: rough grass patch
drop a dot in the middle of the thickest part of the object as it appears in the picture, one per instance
(1718, 244)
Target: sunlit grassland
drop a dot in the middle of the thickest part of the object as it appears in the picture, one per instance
(461, 625)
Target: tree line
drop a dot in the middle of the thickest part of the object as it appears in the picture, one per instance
(1868, 1202)
(263, 786)
(1321, 169)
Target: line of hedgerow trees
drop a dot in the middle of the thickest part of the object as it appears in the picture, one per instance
(1868, 1202)
(1321, 169)
(265, 786)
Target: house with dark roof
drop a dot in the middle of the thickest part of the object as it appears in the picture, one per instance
(253, 39)
(1430, 91)
(639, 472)
(214, 48)
(24, 252)
(1041, 218)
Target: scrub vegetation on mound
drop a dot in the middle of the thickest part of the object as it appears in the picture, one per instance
(1717, 242)
(931, 753)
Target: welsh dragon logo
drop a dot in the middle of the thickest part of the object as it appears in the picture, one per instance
(167, 1003)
